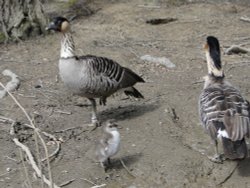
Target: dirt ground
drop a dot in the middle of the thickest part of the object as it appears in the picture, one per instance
(162, 142)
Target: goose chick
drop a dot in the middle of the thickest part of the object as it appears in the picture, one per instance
(91, 76)
(109, 143)
(224, 112)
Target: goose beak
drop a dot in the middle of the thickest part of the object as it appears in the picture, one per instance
(51, 26)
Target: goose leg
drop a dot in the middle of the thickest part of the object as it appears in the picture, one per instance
(217, 158)
(109, 161)
(94, 112)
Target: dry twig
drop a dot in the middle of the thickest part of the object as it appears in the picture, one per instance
(94, 185)
(97, 186)
(63, 112)
(25, 169)
(125, 167)
(66, 183)
(51, 137)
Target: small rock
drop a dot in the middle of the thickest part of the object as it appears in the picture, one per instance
(8, 169)
(160, 60)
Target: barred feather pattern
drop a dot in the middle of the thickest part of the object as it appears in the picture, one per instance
(223, 108)
(92, 76)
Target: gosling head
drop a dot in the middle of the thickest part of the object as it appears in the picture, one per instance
(111, 126)
(59, 24)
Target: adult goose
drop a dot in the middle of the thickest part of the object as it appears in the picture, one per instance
(91, 76)
(224, 113)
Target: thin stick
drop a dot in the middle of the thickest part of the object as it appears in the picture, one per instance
(149, 6)
(66, 183)
(25, 169)
(12, 170)
(11, 159)
(39, 158)
(68, 129)
(229, 175)
(58, 148)
(88, 181)
(63, 112)
(97, 186)
(5, 119)
(125, 167)
(50, 136)
(33, 163)
(198, 82)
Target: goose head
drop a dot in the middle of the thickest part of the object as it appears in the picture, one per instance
(59, 24)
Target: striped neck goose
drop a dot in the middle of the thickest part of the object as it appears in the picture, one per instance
(109, 143)
(91, 76)
(224, 113)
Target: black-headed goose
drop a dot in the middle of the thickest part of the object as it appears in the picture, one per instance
(224, 113)
(91, 76)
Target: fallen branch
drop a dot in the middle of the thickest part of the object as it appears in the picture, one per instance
(236, 49)
(11, 85)
(33, 163)
(245, 19)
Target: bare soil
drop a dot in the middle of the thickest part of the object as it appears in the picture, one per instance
(162, 142)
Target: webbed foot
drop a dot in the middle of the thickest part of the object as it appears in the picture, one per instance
(217, 158)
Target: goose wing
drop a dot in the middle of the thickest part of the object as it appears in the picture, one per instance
(106, 69)
(223, 108)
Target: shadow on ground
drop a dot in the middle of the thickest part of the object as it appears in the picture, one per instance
(244, 167)
(127, 112)
(127, 160)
